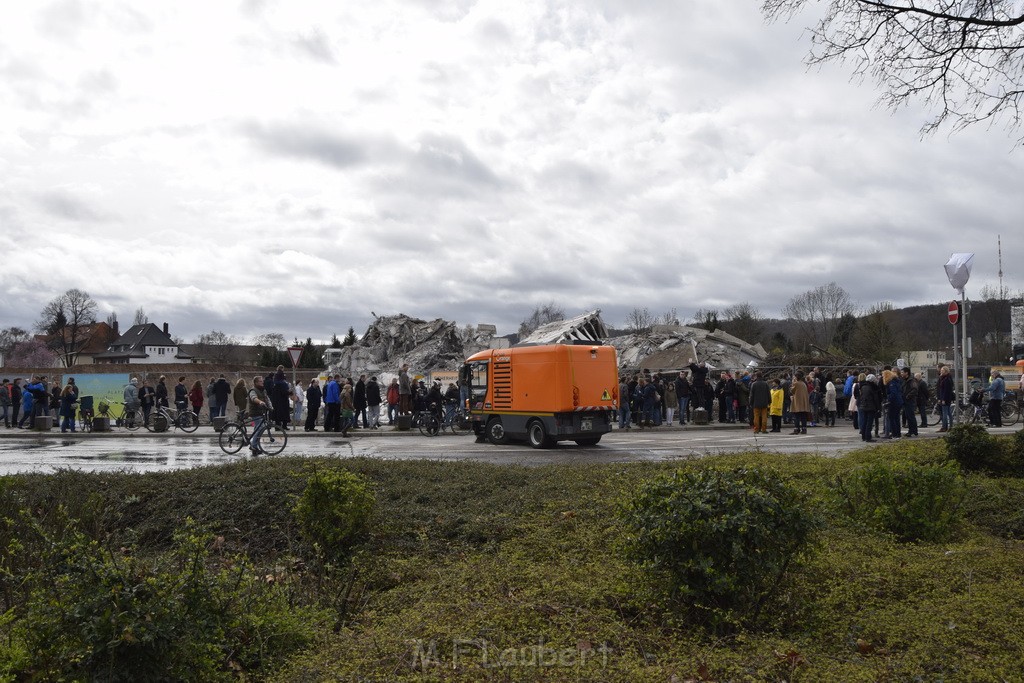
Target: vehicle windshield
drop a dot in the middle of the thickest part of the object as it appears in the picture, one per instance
(475, 376)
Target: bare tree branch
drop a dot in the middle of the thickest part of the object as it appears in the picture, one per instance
(963, 58)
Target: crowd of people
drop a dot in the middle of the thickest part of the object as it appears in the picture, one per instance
(889, 405)
(37, 397)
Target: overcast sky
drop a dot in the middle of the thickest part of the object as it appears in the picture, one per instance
(291, 166)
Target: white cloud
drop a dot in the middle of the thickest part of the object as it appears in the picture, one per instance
(288, 167)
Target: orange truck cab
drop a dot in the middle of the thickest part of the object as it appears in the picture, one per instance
(543, 394)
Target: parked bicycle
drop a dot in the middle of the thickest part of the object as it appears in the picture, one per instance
(185, 420)
(427, 420)
(131, 419)
(1011, 408)
(237, 434)
(455, 420)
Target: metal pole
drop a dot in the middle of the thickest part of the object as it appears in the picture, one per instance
(963, 344)
(956, 371)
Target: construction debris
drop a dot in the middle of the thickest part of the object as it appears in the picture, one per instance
(671, 347)
(587, 327)
(425, 345)
(440, 345)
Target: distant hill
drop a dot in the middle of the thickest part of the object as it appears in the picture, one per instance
(923, 327)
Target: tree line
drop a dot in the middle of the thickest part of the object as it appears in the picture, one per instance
(823, 319)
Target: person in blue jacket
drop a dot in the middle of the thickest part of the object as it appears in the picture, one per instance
(996, 393)
(894, 402)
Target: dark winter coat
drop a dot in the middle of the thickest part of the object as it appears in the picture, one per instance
(868, 397)
(760, 394)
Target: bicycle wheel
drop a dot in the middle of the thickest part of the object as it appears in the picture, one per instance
(1009, 413)
(232, 438)
(187, 421)
(430, 425)
(131, 420)
(273, 440)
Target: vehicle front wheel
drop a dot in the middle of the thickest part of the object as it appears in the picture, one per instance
(496, 432)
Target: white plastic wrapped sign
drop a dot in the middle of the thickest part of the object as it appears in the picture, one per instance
(958, 270)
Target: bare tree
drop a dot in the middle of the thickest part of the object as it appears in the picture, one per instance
(639, 320)
(216, 346)
(11, 337)
(271, 348)
(875, 337)
(68, 322)
(140, 317)
(817, 313)
(964, 58)
(542, 315)
(669, 317)
(706, 319)
(744, 321)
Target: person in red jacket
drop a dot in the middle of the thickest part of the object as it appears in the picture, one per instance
(195, 397)
(394, 397)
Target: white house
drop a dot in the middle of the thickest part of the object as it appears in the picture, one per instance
(143, 344)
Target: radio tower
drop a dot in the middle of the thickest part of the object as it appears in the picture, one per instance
(999, 244)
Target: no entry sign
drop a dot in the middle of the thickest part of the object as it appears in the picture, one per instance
(953, 312)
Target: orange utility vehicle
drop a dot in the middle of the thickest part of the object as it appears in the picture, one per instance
(544, 394)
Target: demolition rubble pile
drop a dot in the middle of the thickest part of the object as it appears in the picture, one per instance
(670, 347)
(587, 327)
(424, 345)
(441, 345)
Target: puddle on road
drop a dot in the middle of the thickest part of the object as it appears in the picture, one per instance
(125, 456)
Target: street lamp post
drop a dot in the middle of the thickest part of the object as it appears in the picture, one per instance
(958, 270)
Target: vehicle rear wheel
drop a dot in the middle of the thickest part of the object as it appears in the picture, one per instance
(496, 432)
(589, 441)
(537, 435)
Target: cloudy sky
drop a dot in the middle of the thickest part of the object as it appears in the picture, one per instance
(291, 166)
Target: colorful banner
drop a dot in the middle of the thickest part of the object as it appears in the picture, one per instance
(109, 388)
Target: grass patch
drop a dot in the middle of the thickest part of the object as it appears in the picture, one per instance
(469, 572)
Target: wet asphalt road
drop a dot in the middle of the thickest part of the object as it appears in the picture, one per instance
(24, 451)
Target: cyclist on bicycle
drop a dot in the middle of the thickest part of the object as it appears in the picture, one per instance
(435, 399)
(257, 407)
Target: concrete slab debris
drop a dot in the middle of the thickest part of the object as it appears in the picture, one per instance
(432, 345)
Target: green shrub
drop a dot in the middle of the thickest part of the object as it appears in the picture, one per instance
(996, 505)
(1016, 450)
(99, 613)
(724, 539)
(334, 509)
(914, 502)
(977, 450)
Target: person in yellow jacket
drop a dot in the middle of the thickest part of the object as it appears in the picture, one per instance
(775, 410)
